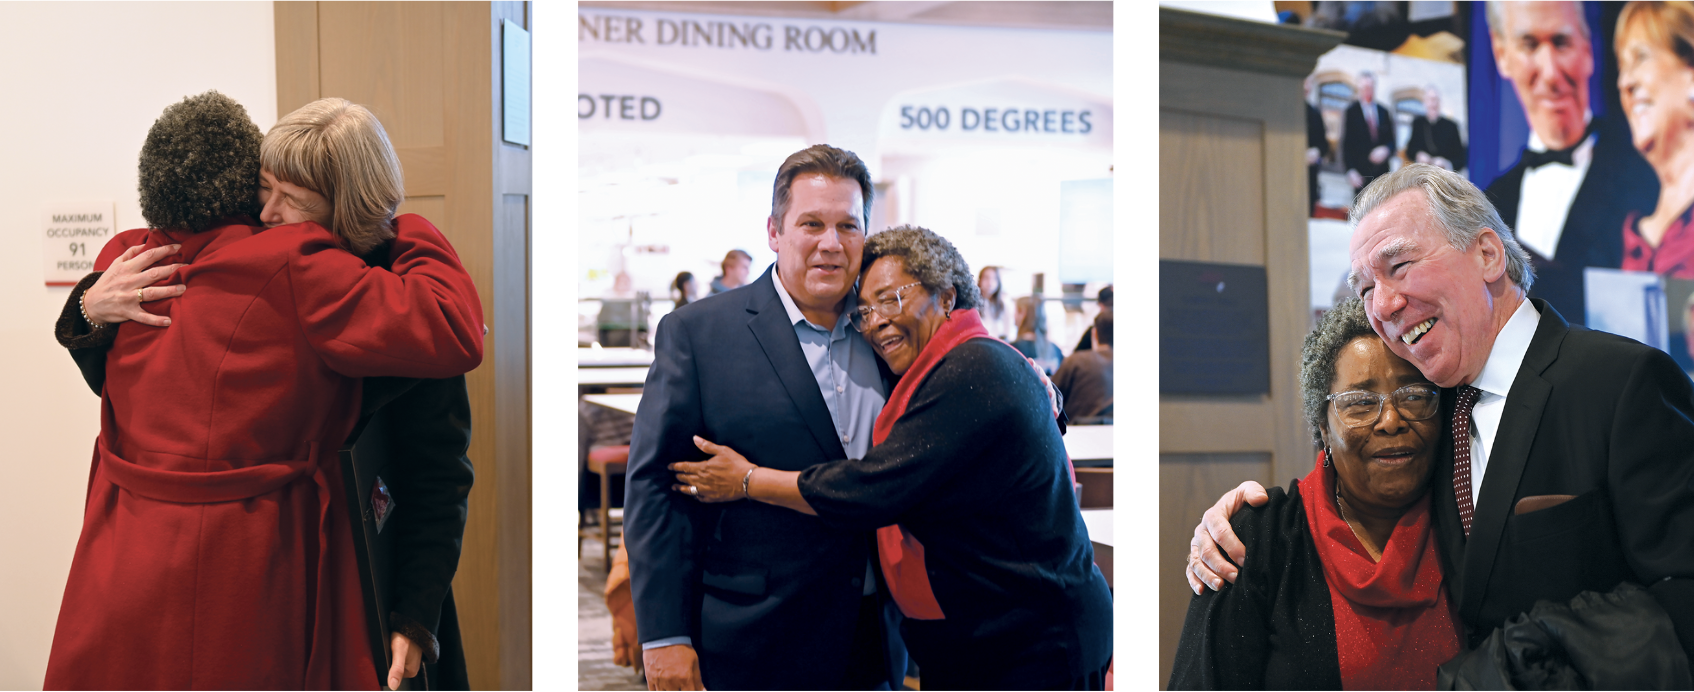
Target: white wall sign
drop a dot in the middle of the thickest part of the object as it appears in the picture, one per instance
(1001, 110)
(619, 95)
(515, 83)
(72, 237)
(724, 34)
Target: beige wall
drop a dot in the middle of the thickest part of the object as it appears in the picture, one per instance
(82, 82)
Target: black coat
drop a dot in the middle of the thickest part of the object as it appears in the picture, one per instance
(1356, 142)
(769, 597)
(1618, 182)
(975, 470)
(1316, 137)
(1274, 628)
(1609, 421)
(430, 423)
(1441, 139)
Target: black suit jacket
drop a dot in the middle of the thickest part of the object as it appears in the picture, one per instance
(1618, 182)
(1600, 417)
(770, 597)
(1356, 142)
(1441, 139)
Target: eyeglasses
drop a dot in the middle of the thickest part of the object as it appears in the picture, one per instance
(1414, 402)
(886, 307)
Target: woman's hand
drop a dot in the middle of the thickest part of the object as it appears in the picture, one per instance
(119, 292)
(717, 479)
(407, 658)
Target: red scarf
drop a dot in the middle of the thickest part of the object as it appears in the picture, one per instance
(900, 552)
(1393, 622)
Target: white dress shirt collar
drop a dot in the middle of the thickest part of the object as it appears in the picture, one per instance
(1510, 346)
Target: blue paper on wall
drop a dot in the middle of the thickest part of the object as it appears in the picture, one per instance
(1628, 304)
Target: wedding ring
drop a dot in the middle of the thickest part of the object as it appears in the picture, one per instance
(692, 490)
(138, 297)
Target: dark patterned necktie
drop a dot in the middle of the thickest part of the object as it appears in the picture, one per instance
(1461, 452)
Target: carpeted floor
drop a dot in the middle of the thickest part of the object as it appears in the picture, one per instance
(594, 628)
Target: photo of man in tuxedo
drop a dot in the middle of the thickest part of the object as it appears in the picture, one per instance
(1566, 218)
(1367, 139)
(1435, 140)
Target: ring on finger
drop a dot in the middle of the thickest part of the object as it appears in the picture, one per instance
(138, 297)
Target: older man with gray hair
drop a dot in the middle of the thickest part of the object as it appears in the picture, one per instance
(1569, 467)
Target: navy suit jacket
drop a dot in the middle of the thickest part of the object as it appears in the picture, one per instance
(1618, 182)
(769, 596)
(1599, 417)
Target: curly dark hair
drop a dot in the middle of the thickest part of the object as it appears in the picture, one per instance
(1338, 327)
(200, 164)
(930, 259)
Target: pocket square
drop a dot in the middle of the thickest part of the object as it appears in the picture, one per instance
(1536, 503)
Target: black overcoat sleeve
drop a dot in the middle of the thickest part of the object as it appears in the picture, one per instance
(86, 344)
(1652, 476)
(1355, 140)
(1421, 141)
(429, 425)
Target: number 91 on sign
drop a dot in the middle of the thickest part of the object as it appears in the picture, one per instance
(73, 235)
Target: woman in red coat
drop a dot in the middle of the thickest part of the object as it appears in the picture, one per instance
(214, 550)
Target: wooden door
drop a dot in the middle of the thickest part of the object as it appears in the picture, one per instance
(431, 73)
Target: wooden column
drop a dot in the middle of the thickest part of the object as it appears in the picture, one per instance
(1232, 189)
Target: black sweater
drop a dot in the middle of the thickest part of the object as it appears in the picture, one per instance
(1274, 628)
(975, 470)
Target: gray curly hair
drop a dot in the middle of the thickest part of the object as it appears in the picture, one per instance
(930, 259)
(1338, 327)
(200, 164)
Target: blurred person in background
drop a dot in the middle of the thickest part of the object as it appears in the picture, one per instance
(1435, 140)
(1032, 337)
(737, 265)
(995, 316)
(1104, 301)
(623, 314)
(1085, 378)
(1317, 146)
(1367, 139)
(683, 290)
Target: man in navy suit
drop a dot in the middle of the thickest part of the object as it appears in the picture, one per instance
(1578, 177)
(746, 595)
(1367, 139)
